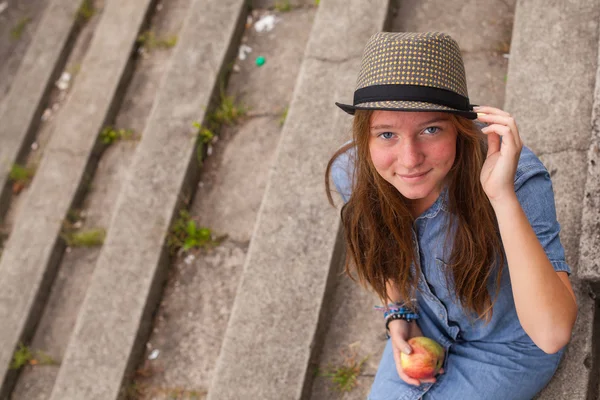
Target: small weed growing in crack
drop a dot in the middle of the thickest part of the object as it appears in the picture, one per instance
(109, 135)
(86, 10)
(24, 355)
(283, 116)
(20, 176)
(205, 137)
(283, 6)
(21, 357)
(18, 30)
(187, 234)
(149, 41)
(345, 376)
(228, 111)
(317, 2)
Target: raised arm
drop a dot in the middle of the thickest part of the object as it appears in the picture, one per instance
(544, 299)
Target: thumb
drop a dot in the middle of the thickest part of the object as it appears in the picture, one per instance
(402, 345)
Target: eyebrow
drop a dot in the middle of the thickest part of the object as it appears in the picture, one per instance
(386, 126)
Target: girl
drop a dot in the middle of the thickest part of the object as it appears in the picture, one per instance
(452, 219)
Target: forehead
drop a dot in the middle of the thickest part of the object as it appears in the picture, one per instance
(399, 119)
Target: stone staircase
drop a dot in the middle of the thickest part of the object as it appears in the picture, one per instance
(290, 297)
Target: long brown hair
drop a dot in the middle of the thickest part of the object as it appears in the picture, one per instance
(378, 224)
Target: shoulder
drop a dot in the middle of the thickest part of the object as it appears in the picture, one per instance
(529, 166)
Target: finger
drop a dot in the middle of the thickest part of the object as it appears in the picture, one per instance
(490, 110)
(502, 120)
(493, 143)
(441, 371)
(428, 380)
(408, 379)
(401, 374)
(508, 138)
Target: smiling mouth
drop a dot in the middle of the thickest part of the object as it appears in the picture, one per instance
(414, 176)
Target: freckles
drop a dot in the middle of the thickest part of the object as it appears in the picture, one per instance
(382, 160)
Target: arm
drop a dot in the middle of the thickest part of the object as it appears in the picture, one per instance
(544, 298)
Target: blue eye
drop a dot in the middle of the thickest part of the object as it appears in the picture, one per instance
(386, 135)
(432, 130)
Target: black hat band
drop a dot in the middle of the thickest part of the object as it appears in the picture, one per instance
(425, 94)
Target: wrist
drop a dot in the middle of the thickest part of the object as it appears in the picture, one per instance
(398, 324)
(501, 203)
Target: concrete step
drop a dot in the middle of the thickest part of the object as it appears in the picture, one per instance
(589, 264)
(550, 91)
(25, 101)
(190, 322)
(77, 265)
(273, 329)
(115, 316)
(34, 245)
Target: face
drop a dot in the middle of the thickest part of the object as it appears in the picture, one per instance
(414, 152)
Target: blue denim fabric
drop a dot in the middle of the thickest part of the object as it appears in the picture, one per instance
(493, 361)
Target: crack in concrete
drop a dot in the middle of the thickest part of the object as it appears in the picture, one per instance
(335, 61)
(540, 154)
(261, 115)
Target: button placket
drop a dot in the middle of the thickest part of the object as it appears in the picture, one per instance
(442, 312)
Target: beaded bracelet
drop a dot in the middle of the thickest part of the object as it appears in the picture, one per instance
(406, 317)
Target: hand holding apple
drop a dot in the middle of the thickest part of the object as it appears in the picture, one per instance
(425, 360)
(400, 333)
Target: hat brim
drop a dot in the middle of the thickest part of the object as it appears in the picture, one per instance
(405, 106)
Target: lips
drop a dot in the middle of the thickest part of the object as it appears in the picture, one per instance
(414, 175)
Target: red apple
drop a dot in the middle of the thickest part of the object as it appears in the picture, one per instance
(425, 360)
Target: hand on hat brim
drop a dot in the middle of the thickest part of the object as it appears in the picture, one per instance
(500, 166)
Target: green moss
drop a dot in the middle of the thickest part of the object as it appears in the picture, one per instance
(149, 41)
(86, 10)
(86, 238)
(109, 135)
(283, 116)
(17, 31)
(283, 6)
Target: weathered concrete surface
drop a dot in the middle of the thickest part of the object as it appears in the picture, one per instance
(550, 87)
(190, 324)
(574, 374)
(21, 112)
(552, 72)
(230, 200)
(56, 324)
(130, 271)
(287, 273)
(589, 264)
(33, 245)
(13, 50)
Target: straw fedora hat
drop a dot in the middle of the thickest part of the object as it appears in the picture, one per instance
(412, 72)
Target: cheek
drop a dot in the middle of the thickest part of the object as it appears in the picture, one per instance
(382, 159)
(443, 154)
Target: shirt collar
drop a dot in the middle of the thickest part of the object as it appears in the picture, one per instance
(441, 203)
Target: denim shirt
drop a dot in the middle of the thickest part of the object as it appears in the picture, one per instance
(490, 361)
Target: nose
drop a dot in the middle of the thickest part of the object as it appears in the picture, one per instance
(410, 155)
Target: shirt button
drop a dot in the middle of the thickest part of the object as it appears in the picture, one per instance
(441, 316)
